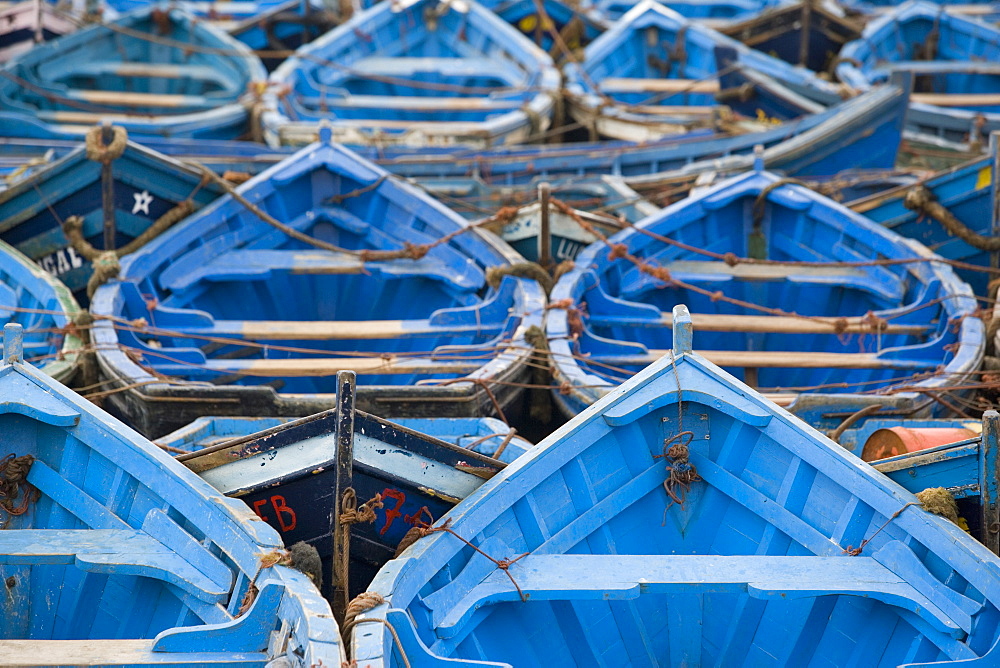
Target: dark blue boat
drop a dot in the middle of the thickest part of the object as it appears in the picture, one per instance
(576, 29)
(116, 190)
(154, 72)
(952, 58)
(655, 74)
(822, 309)
(716, 12)
(289, 474)
(114, 554)
(47, 312)
(961, 197)
(419, 72)
(686, 520)
(247, 314)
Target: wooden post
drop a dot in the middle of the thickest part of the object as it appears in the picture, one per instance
(995, 173)
(344, 439)
(108, 191)
(545, 235)
(989, 512)
(804, 37)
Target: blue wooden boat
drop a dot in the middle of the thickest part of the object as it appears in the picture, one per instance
(281, 27)
(686, 520)
(807, 317)
(25, 23)
(430, 338)
(863, 132)
(966, 193)
(45, 309)
(656, 74)
(116, 201)
(113, 554)
(289, 473)
(714, 12)
(803, 33)
(154, 72)
(461, 75)
(952, 58)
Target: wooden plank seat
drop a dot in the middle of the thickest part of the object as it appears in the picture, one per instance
(941, 66)
(414, 103)
(636, 85)
(152, 70)
(957, 99)
(259, 264)
(118, 551)
(764, 324)
(329, 366)
(408, 66)
(128, 99)
(89, 652)
(757, 359)
(331, 330)
(883, 284)
(547, 577)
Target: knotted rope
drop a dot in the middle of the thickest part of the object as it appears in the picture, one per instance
(680, 472)
(14, 483)
(531, 270)
(921, 200)
(98, 151)
(361, 603)
(350, 514)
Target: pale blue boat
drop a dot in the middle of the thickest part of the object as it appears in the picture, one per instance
(112, 553)
(419, 73)
(155, 72)
(685, 520)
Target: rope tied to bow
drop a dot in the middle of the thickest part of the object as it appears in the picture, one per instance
(14, 484)
(680, 471)
(363, 602)
(98, 151)
(855, 551)
(350, 514)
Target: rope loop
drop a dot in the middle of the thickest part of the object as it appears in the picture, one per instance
(98, 151)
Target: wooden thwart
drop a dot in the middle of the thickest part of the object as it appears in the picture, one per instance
(776, 359)
(957, 99)
(126, 99)
(330, 330)
(329, 366)
(764, 324)
(630, 85)
(90, 652)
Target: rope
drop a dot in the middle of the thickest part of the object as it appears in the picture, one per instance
(14, 483)
(921, 199)
(361, 603)
(531, 270)
(98, 151)
(351, 513)
(855, 551)
(105, 267)
(852, 419)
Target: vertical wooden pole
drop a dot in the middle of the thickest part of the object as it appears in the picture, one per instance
(108, 191)
(545, 235)
(344, 439)
(989, 513)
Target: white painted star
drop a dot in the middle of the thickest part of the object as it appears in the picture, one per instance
(142, 202)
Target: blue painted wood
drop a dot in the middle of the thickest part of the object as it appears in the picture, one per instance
(460, 76)
(965, 191)
(624, 311)
(224, 272)
(45, 309)
(118, 542)
(576, 28)
(961, 52)
(617, 87)
(751, 564)
(714, 11)
(145, 186)
(419, 467)
(112, 73)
